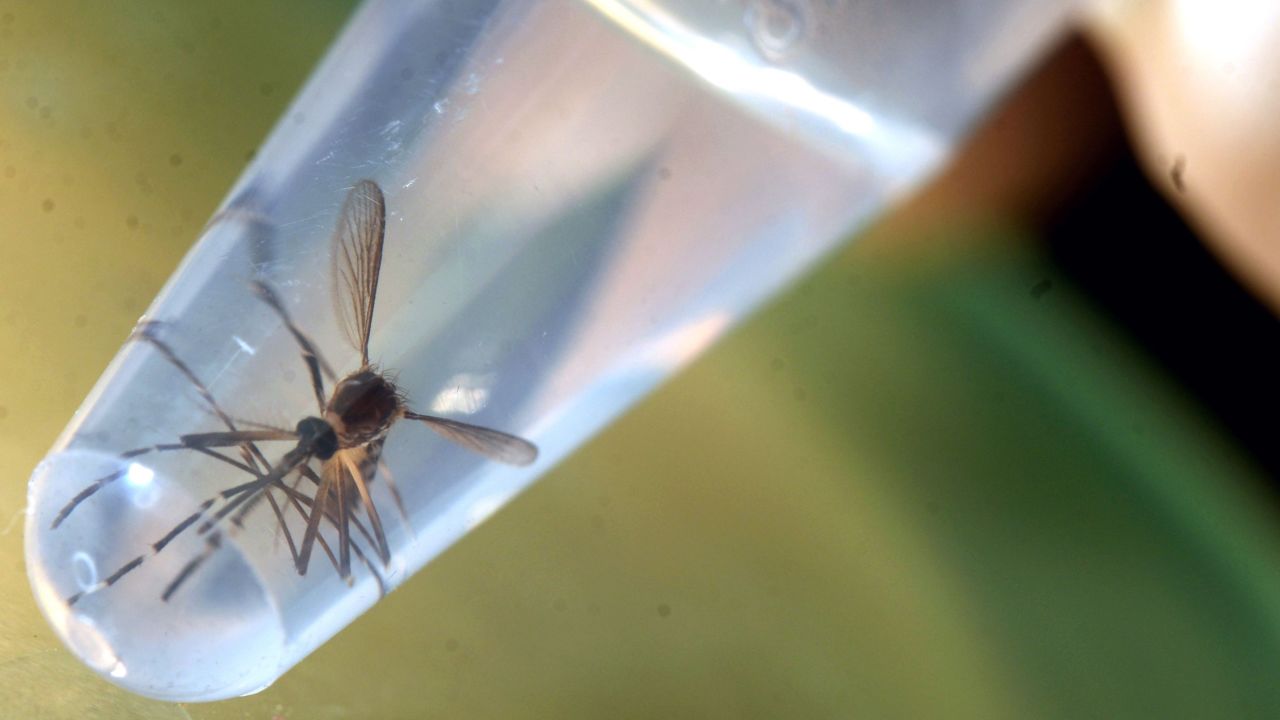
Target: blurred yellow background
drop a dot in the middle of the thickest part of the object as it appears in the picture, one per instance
(929, 481)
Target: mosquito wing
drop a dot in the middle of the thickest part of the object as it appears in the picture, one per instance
(492, 444)
(357, 259)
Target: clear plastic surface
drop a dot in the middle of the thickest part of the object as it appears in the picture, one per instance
(580, 198)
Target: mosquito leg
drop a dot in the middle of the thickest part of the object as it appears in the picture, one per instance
(395, 492)
(213, 540)
(332, 517)
(364, 533)
(318, 510)
(377, 576)
(384, 553)
(344, 531)
(380, 543)
(214, 537)
(252, 470)
(256, 461)
(211, 544)
(156, 548)
(105, 480)
(355, 549)
(305, 472)
(284, 527)
(234, 437)
(85, 494)
(111, 580)
(315, 362)
(146, 333)
(297, 500)
(249, 450)
(199, 442)
(329, 515)
(251, 492)
(303, 559)
(371, 464)
(337, 513)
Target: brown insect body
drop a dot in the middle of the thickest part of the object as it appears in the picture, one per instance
(364, 406)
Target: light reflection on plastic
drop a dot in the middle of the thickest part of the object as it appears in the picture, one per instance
(139, 476)
(722, 67)
(678, 347)
(900, 150)
(465, 393)
(84, 569)
(83, 636)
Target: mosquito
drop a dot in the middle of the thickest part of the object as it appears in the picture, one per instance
(345, 438)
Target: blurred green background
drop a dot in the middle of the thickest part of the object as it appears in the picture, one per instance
(931, 480)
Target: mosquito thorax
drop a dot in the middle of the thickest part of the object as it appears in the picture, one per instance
(318, 435)
(363, 407)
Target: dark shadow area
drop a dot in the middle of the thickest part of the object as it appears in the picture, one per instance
(1130, 250)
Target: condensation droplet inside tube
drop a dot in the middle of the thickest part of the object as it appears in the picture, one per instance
(776, 26)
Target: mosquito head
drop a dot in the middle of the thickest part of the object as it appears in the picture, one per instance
(319, 436)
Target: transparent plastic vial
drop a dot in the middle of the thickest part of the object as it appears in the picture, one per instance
(580, 198)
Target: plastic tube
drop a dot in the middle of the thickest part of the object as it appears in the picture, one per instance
(580, 198)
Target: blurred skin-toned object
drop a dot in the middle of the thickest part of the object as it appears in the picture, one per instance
(1198, 82)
